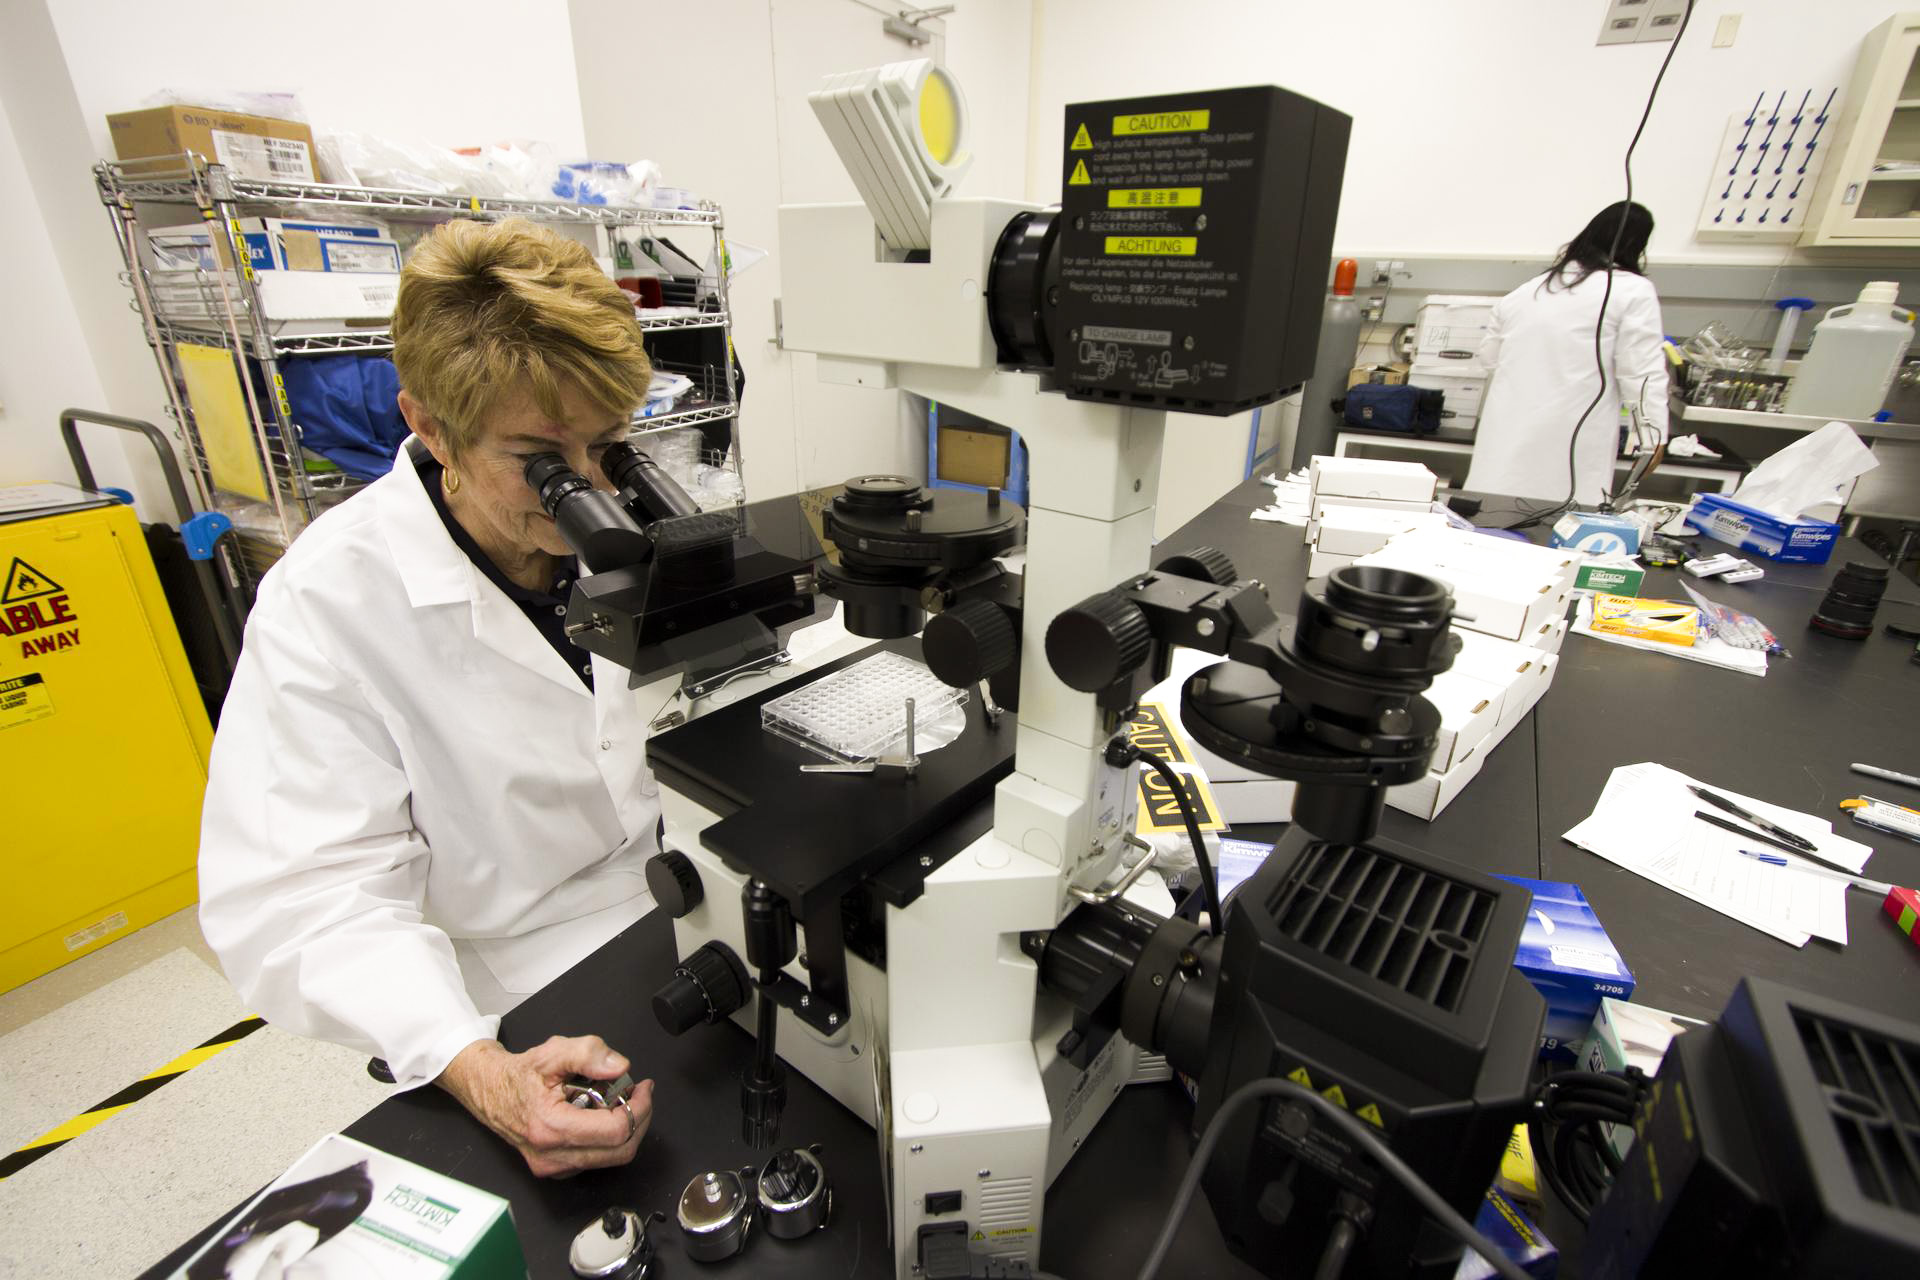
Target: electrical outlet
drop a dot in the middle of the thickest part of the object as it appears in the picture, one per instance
(1383, 277)
(1724, 32)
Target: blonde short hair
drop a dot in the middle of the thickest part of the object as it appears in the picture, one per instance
(486, 306)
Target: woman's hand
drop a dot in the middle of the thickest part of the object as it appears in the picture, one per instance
(517, 1095)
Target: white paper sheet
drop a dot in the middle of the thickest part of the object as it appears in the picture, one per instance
(1644, 822)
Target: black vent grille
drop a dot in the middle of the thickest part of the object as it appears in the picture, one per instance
(1416, 930)
(1872, 1086)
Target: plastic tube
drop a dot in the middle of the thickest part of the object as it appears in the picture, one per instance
(1790, 311)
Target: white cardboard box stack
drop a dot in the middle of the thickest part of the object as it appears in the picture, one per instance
(1447, 332)
(1512, 602)
(1359, 504)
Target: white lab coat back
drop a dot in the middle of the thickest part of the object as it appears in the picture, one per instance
(1539, 348)
(408, 780)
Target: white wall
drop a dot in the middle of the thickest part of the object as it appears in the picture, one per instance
(1480, 126)
(734, 126)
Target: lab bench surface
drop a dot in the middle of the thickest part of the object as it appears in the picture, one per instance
(1787, 737)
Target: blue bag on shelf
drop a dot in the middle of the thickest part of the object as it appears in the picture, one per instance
(348, 410)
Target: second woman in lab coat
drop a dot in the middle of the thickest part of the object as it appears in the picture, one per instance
(1539, 348)
(424, 802)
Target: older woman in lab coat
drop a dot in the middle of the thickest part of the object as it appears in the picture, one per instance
(424, 803)
(1539, 348)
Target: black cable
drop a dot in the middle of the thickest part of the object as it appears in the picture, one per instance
(1356, 1131)
(1606, 295)
(1333, 1259)
(1208, 884)
(1571, 1132)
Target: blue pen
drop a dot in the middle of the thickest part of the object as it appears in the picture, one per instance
(1771, 859)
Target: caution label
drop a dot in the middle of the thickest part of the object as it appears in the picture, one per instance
(1152, 731)
(1161, 122)
(1300, 1077)
(1371, 1114)
(1082, 140)
(1154, 246)
(1079, 178)
(1160, 804)
(23, 700)
(1154, 198)
(1336, 1095)
(24, 582)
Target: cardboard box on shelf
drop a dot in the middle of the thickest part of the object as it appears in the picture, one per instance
(1391, 375)
(1448, 330)
(1463, 392)
(251, 146)
(1371, 478)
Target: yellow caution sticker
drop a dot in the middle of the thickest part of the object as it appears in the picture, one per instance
(979, 1235)
(1082, 140)
(1153, 732)
(1160, 806)
(1153, 198)
(1153, 246)
(23, 700)
(1371, 1114)
(1300, 1077)
(1336, 1095)
(1079, 178)
(1161, 122)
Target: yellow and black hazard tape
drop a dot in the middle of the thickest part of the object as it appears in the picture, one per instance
(53, 1139)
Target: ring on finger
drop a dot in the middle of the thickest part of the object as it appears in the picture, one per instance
(633, 1125)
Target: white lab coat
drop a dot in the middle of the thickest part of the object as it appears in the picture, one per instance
(1539, 348)
(408, 781)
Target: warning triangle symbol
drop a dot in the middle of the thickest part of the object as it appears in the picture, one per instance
(24, 582)
(1371, 1114)
(1082, 141)
(1300, 1077)
(1079, 178)
(979, 1235)
(1336, 1095)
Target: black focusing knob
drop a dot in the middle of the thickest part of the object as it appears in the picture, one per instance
(705, 987)
(1206, 564)
(969, 642)
(1097, 641)
(675, 883)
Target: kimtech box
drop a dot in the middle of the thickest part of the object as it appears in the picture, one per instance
(347, 1211)
(1569, 959)
(1751, 529)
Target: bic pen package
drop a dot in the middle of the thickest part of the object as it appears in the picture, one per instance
(1662, 620)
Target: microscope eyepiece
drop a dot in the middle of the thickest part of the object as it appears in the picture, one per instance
(590, 520)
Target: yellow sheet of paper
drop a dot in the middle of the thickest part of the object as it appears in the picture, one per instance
(220, 415)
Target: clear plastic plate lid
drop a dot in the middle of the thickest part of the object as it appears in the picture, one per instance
(858, 713)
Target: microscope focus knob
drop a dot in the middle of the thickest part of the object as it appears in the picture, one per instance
(969, 642)
(1096, 642)
(709, 985)
(675, 883)
(1207, 564)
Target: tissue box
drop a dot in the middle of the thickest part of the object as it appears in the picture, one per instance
(1596, 532)
(407, 1221)
(1501, 1221)
(1610, 579)
(1751, 529)
(1569, 959)
(1630, 1035)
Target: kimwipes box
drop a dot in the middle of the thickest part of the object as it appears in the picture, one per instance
(252, 146)
(1571, 961)
(347, 1211)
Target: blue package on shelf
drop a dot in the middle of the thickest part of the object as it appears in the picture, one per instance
(1570, 960)
(1751, 529)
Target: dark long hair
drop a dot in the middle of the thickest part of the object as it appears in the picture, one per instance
(1588, 252)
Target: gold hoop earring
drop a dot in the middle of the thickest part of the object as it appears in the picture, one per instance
(450, 480)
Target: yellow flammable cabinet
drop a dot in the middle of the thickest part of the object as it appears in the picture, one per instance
(103, 737)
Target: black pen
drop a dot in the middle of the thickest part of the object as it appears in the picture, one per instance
(1777, 843)
(1793, 840)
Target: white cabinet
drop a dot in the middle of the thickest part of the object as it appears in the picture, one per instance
(1869, 190)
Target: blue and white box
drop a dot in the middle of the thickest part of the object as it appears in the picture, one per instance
(1751, 529)
(1597, 533)
(1525, 1245)
(1571, 961)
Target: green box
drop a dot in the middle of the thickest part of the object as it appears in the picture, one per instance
(407, 1223)
(1609, 579)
